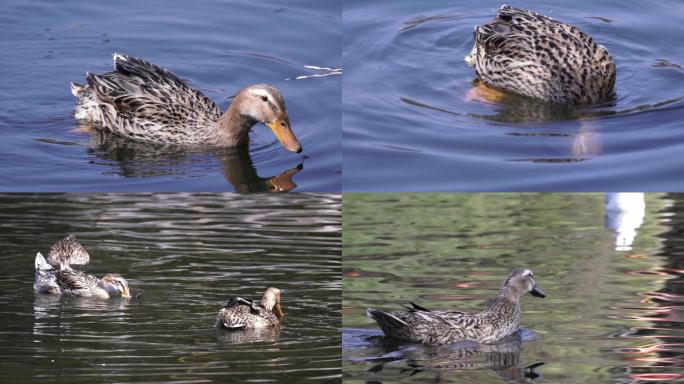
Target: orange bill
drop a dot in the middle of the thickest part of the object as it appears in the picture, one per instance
(281, 129)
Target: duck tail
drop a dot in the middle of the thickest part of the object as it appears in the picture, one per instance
(41, 264)
(390, 324)
(76, 89)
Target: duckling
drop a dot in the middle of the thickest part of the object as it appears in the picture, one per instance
(55, 276)
(534, 55)
(142, 101)
(499, 319)
(242, 313)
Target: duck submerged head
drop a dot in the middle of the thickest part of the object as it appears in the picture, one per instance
(521, 281)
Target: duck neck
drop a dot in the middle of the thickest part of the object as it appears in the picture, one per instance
(268, 302)
(507, 294)
(233, 127)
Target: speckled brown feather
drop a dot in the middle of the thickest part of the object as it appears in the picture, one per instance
(523, 52)
(68, 251)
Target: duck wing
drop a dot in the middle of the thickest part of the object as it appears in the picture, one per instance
(140, 99)
(68, 251)
(240, 313)
(75, 282)
(415, 307)
(419, 324)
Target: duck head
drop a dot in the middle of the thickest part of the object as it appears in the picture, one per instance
(521, 281)
(116, 285)
(271, 301)
(264, 103)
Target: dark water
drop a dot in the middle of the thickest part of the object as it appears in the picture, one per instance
(406, 112)
(613, 278)
(219, 47)
(188, 254)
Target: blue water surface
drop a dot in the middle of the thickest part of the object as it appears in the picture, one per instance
(218, 46)
(411, 125)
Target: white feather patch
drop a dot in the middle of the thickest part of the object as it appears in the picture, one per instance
(259, 92)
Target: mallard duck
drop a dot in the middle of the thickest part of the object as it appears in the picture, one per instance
(242, 313)
(55, 276)
(142, 101)
(499, 319)
(534, 55)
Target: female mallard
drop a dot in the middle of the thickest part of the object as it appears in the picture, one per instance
(142, 101)
(242, 313)
(55, 276)
(500, 319)
(533, 55)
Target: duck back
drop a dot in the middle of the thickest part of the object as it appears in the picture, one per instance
(534, 55)
(142, 101)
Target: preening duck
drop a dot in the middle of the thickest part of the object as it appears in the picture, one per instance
(523, 52)
(55, 276)
(499, 319)
(242, 313)
(142, 101)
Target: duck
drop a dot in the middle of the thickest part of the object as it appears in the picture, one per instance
(499, 319)
(533, 55)
(142, 101)
(54, 275)
(241, 313)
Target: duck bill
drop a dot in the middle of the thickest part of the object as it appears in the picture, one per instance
(126, 294)
(278, 311)
(536, 292)
(281, 129)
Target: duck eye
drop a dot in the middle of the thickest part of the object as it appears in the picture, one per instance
(506, 17)
(264, 98)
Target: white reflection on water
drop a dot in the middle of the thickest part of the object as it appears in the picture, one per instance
(624, 214)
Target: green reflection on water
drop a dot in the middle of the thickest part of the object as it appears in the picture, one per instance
(453, 250)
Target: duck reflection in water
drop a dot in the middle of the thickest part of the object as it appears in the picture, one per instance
(448, 361)
(585, 142)
(250, 335)
(136, 159)
(56, 315)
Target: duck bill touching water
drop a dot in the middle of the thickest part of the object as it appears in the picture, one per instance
(499, 319)
(523, 52)
(242, 313)
(142, 101)
(54, 275)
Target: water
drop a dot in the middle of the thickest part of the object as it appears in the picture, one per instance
(613, 279)
(187, 254)
(219, 47)
(405, 108)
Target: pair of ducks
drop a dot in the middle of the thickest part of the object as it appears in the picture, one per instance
(54, 276)
(520, 51)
